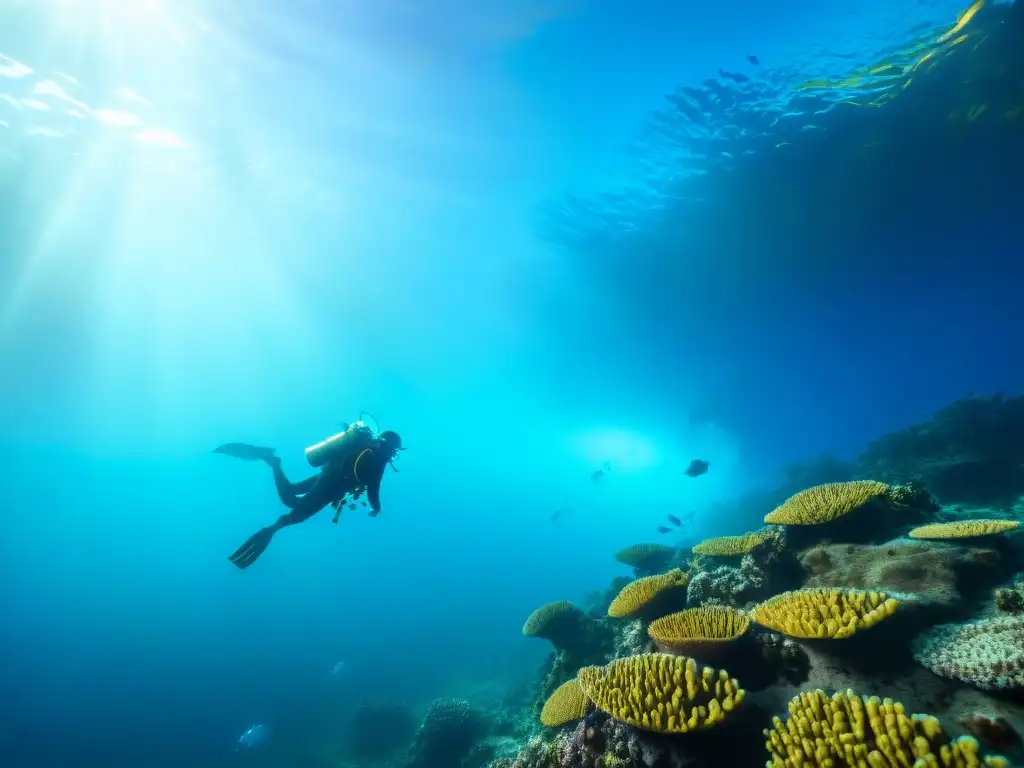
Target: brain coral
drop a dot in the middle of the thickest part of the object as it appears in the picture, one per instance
(662, 693)
(963, 529)
(824, 503)
(833, 614)
(988, 653)
(731, 546)
(699, 628)
(566, 704)
(850, 730)
(557, 622)
(645, 555)
(636, 596)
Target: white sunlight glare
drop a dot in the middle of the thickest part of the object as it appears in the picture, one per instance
(175, 260)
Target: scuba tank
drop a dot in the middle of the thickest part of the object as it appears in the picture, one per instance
(321, 453)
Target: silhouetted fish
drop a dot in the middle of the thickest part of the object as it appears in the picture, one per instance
(753, 60)
(734, 76)
(697, 467)
(558, 513)
(675, 520)
(663, 529)
(244, 451)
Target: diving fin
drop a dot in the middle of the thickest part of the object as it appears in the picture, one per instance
(255, 545)
(245, 451)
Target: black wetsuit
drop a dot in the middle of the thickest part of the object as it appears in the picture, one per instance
(362, 468)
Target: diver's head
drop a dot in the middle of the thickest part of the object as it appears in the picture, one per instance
(391, 441)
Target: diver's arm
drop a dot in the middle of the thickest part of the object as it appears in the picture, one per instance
(369, 468)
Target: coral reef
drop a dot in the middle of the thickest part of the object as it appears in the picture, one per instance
(847, 548)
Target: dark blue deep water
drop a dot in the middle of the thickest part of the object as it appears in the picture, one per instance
(530, 236)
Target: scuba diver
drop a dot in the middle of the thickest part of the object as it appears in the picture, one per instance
(351, 463)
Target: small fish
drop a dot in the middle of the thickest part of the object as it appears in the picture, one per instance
(697, 468)
(607, 465)
(734, 76)
(664, 529)
(675, 520)
(597, 476)
(364, 503)
(558, 513)
(352, 505)
(753, 60)
(253, 736)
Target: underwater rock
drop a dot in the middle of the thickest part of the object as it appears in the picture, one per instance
(928, 573)
(998, 723)
(728, 585)
(449, 730)
(971, 452)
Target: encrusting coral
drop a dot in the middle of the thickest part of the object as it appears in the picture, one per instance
(662, 693)
(833, 614)
(697, 630)
(850, 730)
(731, 546)
(566, 704)
(927, 573)
(824, 503)
(637, 596)
(988, 653)
(963, 529)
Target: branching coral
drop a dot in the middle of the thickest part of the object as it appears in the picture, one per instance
(697, 629)
(662, 693)
(963, 529)
(566, 704)
(851, 730)
(731, 546)
(638, 595)
(833, 614)
(824, 503)
(988, 653)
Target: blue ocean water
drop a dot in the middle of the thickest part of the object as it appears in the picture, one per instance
(532, 237)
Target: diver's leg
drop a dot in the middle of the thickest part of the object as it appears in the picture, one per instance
(288, 491)
(319, 496)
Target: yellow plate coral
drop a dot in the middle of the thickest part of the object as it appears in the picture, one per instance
(963, 529)
(662, 693)
(850, 730)
(730, 546)
(824, 503)
(637, 595)
(566, 704)
(696, 628)
(833, 614)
